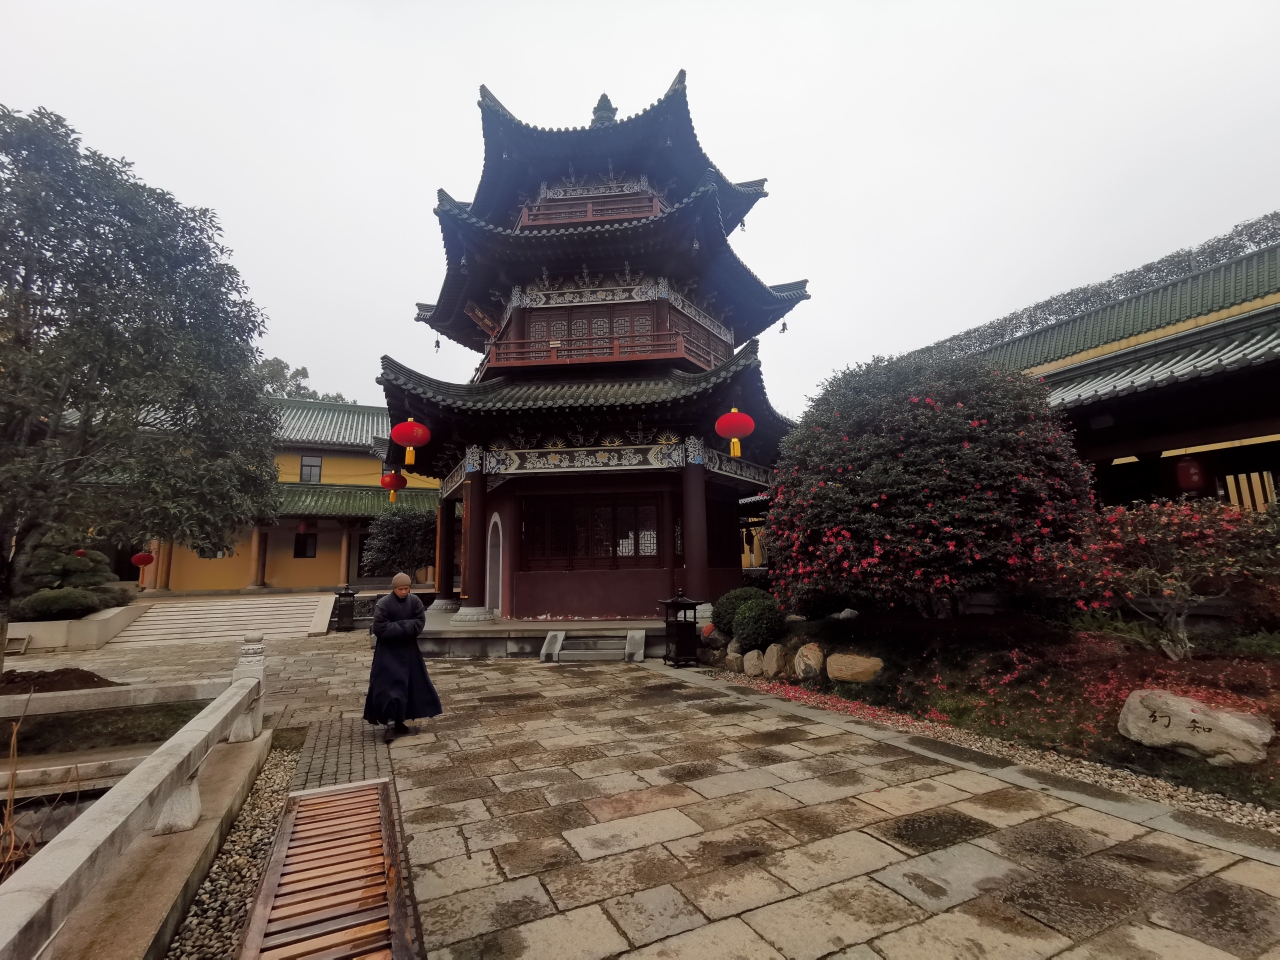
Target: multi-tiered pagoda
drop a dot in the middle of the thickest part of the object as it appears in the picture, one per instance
(593, 272)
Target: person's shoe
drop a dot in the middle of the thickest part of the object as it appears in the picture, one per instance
(404, 731)
(389, 734)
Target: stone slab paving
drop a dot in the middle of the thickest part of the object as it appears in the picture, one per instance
(599, 810)
(607, 810)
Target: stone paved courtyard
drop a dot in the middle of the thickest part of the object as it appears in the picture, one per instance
(598, 810)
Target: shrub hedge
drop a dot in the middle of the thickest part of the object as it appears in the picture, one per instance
(726, 608)
(758, 623)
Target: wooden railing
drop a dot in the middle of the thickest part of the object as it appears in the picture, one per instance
(587, 211)
(516, 353)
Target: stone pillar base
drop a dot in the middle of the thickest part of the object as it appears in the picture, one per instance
(472, 615)
(440, 605)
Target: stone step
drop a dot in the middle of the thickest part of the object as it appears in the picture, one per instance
(221, 619)
(593, 649)
(602, 643)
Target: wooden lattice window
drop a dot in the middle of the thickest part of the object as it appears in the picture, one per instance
(572, 533)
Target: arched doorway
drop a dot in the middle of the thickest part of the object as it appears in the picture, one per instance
(493, 570)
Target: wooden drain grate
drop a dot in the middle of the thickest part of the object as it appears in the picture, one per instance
(333, 887)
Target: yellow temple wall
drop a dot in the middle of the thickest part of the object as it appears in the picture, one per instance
(345, 468)
(189, 571)
(285, 570)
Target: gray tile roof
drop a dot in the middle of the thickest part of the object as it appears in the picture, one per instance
(507, 394)
(1229, 284)
(333, 500)
(515, 150)
(320, 423)
(1220, 347)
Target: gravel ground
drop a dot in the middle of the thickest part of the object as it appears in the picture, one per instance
(1150, 788)
(211, 930)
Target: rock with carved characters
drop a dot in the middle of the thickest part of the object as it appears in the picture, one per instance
(1158, 718)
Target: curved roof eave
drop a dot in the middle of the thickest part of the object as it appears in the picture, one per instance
(760, 307)
(504, 132)
(504, 395)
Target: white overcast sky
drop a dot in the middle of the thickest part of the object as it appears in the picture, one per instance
(931, 165)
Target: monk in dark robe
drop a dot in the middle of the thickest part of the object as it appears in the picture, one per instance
(399, 688)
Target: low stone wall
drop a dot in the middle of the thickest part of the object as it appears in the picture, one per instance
(87, 633)
(161, 795)
(109, 698)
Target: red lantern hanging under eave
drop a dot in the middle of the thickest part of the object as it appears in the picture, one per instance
(394, 482)
(410, 435)
(143, 559)
(733, 426)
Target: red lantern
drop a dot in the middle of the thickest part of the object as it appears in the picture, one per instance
(1190, 475)
(143, 559)
(82, 553)
(733, 426)
(410, 435)
(394, 482)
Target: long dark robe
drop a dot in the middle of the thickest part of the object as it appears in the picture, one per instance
(399, 688)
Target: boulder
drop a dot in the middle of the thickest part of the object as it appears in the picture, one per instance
(852, 668)
(733, 662)
(753, 664)
(714, 639)
(848, 613)
(735, 647)
(809, 662)
(794, 618)
(775, 661)
(710, 657)
(1158, 718)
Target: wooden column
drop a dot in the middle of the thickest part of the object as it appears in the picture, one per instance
(667, 540)
(473, 540)
(697, 580)
(164, 564)
(255, 557)
(444, 551)
(344, 568)
(148, 574)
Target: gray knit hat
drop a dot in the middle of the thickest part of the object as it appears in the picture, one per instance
(400, 580)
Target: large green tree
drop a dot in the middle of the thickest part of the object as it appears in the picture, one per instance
(129, 399)
(282, 381)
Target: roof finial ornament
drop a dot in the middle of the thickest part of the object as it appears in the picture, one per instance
(603, 114)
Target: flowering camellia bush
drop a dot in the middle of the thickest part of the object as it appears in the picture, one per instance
(914, 482)
(1161, 559)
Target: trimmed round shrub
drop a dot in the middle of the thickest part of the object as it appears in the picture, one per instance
(913, 482)
(117, 594)
(726, 608)
(56, 567)
(758, 623)
(69, 603)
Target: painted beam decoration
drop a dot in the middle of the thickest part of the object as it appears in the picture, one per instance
(577, 460)
(736, 467)
(453, 479)
(658, 456)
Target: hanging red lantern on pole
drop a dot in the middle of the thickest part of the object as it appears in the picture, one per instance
(733, 426)
(394, 481)
(410, 435)
(142, 559)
